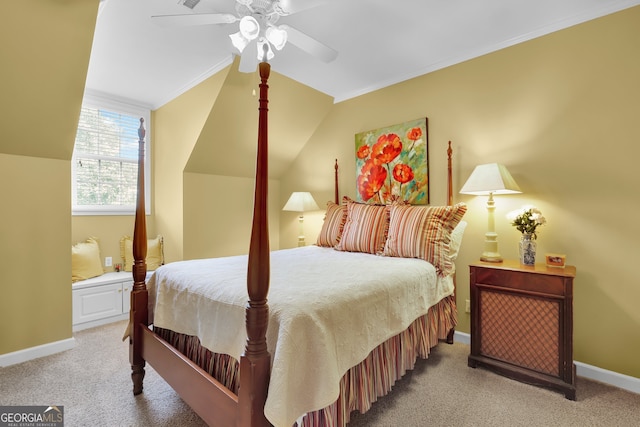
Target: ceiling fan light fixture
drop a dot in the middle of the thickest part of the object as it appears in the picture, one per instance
(265, 53)
(239, 41)
(277, 37)
(249, 27)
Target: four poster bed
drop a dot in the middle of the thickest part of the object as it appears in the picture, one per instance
(342, 323)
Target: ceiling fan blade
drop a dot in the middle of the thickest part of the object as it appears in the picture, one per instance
(194, 19)
(288, 7)
(249, 58)
(309, 44)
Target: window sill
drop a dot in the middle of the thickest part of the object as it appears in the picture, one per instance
(105, 211)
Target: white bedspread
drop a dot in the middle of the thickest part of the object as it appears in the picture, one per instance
(327, 311)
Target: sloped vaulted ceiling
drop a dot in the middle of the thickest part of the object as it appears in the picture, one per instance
(44, 52)
(379, 42)
(227, 144)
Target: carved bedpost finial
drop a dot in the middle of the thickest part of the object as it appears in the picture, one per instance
(139, 269)
(141, 131)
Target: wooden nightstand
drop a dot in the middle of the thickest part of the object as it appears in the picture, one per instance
(522, 323)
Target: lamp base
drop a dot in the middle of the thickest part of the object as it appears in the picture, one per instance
(490, 252)
(301, 235)
(490, 257)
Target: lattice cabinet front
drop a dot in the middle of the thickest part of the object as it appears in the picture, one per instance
(522, 323)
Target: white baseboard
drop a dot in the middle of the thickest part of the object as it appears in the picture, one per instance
(615, 379)
(462, 337)
(591, 372)
(31, 353)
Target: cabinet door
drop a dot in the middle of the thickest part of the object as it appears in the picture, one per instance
(97, 302)
(521, 329)
(126, 296)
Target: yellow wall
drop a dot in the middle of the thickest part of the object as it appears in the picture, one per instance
(561, 113)
(222, 163)
(220, 212)
(44, 56)
(176, 129)
(35, 307)
(219, 177)
(44, 52)
(227, 144)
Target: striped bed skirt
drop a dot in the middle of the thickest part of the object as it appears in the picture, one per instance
(361, 385)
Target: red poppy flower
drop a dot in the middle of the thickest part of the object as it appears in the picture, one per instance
(414, 134)
(363, 152)
(387, 148)
(402, 173)
(371, 179)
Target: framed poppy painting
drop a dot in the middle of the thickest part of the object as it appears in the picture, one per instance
(393, 163)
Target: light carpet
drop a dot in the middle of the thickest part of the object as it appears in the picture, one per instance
(92, 382)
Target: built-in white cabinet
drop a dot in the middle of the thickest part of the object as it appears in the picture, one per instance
(102, 299)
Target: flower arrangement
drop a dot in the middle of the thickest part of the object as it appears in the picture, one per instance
(526, 220)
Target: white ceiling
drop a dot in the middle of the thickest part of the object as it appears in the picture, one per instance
(380, 42)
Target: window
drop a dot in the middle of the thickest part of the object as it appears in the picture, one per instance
(104, 169)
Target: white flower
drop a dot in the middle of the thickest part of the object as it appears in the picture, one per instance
(527, 219)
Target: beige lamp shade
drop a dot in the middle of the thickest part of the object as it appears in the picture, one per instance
(301, 201)
(490, 179)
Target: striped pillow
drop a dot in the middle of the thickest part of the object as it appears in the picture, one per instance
(365, 229)
(424, 232)
(333, 225)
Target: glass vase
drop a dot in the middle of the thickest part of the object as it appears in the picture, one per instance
(527, 249)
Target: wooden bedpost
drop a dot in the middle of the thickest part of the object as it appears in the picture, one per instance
(449, 179)
(256, 361)
(139, 295)
(450, 203)
(336, 195)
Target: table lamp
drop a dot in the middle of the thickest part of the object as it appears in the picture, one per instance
(490, 179)
(301, 201)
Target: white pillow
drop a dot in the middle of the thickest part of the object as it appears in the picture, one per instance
(456, 240)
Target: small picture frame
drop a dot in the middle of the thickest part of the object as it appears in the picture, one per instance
(556, 260)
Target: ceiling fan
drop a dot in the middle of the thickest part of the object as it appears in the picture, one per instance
(258, 33)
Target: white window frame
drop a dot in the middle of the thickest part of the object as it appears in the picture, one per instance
(98, 101)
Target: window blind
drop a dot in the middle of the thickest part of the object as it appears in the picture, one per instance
(105, 161)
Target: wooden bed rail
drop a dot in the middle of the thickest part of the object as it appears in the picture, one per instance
(209, 398)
